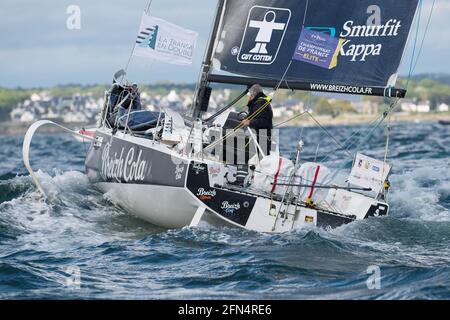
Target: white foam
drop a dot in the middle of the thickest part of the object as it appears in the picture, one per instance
(74, 214)
(418, 193)
(61, 183)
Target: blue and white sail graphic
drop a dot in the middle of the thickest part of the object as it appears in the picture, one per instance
(147, 37)
(165, 41)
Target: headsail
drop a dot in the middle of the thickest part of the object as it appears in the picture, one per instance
(259, 38)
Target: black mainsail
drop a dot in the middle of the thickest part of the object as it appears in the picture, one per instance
(255, 41)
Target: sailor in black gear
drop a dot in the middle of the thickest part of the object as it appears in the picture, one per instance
(260, 116)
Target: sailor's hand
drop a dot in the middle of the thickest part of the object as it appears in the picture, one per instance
(245, 122)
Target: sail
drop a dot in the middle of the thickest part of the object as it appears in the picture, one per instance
(327, 44)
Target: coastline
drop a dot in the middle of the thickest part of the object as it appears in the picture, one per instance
(14, 128)
(363, 119)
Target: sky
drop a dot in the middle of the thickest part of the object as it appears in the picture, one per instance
(38, 50)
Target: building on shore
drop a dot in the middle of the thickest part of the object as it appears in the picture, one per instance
(443, 107)
(411, 106)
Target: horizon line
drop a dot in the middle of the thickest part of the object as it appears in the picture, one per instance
(168, 82)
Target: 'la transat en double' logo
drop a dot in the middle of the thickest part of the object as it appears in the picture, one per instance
(147, 37)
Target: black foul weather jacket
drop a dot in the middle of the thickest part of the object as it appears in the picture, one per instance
(263, 120)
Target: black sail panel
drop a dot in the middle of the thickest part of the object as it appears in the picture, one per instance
(258, 39)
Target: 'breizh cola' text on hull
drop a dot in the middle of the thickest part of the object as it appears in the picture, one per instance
(121, 167)
(359, 52)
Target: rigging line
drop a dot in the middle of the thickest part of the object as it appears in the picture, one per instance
(230, 105)
(412, 64)
(284, 75)
(355, 133)
(360, 132)
(239, 126)
(290, 119)
(290, 62)
(328, 133)
(251, 117)
(383, 117)
(424, 35)
(306, 11)
(147, 11)
(412, 68)
(415, 44)
(385, 114)
(372, 123)
(386, 150)
(309, 99)
(306, 112)
(340, 146)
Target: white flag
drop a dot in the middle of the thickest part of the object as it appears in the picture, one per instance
(369, 173)
(165, 41)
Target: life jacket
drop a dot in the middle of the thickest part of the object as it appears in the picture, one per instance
(265, 98)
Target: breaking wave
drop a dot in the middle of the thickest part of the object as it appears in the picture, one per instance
(42, 241)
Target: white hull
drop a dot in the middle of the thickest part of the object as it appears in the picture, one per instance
(174, 194)
(168, 189)
(168, 207)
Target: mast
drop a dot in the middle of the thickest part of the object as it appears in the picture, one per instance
(202, 95)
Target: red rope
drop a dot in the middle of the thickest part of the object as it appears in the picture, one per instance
(276, 176)
(314, 182)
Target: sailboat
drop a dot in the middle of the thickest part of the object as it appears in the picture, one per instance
(169, 169)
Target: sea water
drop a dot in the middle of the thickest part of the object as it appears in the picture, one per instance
(79, 244)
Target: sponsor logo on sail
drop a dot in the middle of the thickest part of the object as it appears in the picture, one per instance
(341, 88)
(326, 30)
(318, 37)
(124, 166)
(230, 208)
(317, 48)
(360, 39)
(203, 194)
(360, 52)
(263, 35)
